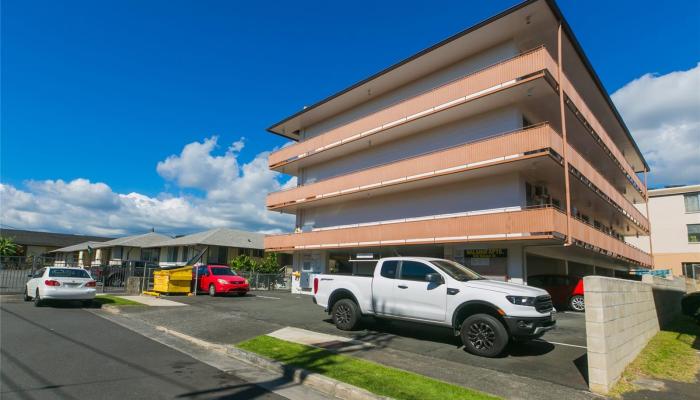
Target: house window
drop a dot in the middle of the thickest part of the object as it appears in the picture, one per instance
(150, 255)
(694, 233)
(172, 254)
(117, 253)
(692, 202)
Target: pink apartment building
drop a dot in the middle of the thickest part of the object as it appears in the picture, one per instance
(497, 147)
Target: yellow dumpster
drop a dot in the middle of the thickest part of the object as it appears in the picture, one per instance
(175, 280)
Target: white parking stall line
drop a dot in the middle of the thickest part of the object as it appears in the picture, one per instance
(268, 297)
(562, 344)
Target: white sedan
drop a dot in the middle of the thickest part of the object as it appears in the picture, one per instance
(56, 283)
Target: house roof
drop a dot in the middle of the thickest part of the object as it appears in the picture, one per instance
(50, 239)
(76, 247)
(217, 237)
(145, 240)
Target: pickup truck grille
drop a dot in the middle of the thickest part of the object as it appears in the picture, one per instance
(543, 304)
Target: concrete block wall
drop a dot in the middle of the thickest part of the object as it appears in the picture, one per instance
(621, 317)
(667, 296)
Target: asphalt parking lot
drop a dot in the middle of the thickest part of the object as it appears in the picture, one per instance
(560, 357)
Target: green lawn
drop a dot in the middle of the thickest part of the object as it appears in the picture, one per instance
(115, 301)
(670, 355)
(370, 376)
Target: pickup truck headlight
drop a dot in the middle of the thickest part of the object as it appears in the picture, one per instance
(521, 300)
(222, 281)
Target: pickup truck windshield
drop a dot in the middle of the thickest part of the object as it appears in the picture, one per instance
(456, 271)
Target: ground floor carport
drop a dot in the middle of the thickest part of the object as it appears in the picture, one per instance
(506, 260)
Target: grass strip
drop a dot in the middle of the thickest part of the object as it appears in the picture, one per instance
(669, 355)
(115, 301)
(376, 378)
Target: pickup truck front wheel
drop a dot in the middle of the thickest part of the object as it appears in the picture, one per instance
(345, 314)
(484, 335)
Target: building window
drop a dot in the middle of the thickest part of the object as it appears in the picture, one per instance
(694, 233)
(691, 270)
(692, 202)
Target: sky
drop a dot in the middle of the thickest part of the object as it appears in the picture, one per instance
(122, 115)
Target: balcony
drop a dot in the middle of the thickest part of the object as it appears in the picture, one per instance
(591, 123)
(531, 142)
(467, 88)
(539, 223)
(534, 224)
(479, 154)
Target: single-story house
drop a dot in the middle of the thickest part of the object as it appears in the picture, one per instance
(223, 245)
(36, 243)
(111, 252)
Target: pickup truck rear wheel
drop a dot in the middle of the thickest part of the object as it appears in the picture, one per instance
(484, 335)
(345, 314)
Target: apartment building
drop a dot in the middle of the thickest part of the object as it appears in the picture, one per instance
(497, 147)
(674, 213)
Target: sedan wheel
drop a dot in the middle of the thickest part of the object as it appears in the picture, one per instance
(212, 290)
(577, 303)
(37, 299)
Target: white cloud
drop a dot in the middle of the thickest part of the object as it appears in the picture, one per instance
(663, 114)
(233, 195)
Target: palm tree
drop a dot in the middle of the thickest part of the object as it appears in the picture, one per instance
(8, 247)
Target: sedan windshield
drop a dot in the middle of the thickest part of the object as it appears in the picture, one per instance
(68, 273)
(218, 271)
(456, 270)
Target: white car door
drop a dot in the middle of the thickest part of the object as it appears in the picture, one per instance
(417, 298)
(33, 283)
(383, 301)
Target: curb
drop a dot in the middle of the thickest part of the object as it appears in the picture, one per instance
(318, 382)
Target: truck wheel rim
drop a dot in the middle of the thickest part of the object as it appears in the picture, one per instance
(577, 303)
(481, 335)
(342, 314)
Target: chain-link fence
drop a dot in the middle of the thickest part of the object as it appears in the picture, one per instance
(15, 271)
(259, 281)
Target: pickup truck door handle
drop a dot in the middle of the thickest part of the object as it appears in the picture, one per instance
(403, 287)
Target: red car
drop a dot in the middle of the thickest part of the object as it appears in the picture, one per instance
(565, 290)
(219, 279)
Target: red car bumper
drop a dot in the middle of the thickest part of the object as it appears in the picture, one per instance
(233, 288)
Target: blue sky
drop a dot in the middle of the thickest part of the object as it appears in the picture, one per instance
(105, 90)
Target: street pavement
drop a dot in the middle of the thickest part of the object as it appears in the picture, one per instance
(66, 352)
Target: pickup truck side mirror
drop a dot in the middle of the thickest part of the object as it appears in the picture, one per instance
(434, 278)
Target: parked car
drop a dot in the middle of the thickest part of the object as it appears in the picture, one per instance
(56, 283)
(219, 279)
(485, 313)
(566, 291)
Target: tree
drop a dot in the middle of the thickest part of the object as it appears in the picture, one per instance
(242, 263)
(8, 247)
(268, 265)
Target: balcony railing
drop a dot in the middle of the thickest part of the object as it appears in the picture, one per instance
(588, 235)
(597, 127)
(523, 224)
(477, 154)
(605, 187)
(537, 223)
(463, 89)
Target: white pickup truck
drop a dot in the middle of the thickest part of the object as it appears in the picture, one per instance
(485, 313)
